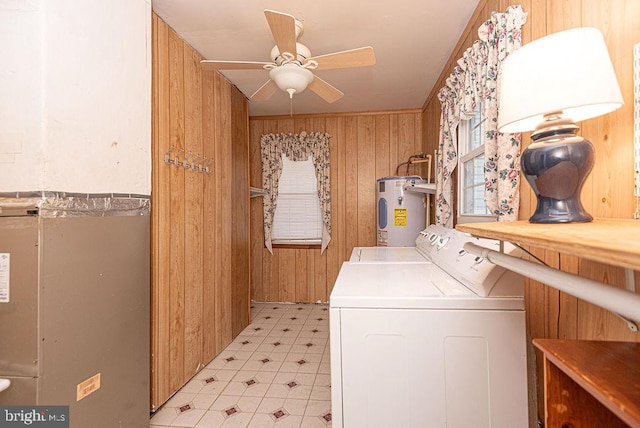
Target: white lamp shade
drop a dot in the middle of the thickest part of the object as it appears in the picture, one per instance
(291, 77)
(569, 71)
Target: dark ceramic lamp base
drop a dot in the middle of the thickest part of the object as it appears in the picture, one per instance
(556, 166)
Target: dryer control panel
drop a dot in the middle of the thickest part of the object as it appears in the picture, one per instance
(445, 248)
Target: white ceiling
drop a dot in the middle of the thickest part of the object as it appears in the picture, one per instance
(412, 40)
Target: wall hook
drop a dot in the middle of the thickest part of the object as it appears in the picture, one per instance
(190, 160)
(193, 162)
(176, 160)
(206, 165)
(167, 156)
(187, 160)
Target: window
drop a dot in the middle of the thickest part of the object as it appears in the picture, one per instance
(471, 184)
(314, 147)
(298, 218)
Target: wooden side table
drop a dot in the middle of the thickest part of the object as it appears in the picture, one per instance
(591, 383)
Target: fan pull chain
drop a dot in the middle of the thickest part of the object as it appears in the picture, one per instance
(291, 106)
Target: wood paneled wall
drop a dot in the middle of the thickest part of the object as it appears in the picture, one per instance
(609, 189)
(363, 147)
(200, 222)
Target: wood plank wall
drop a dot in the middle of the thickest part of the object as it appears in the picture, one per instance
(363, 148)
(200, 222)
(607, 193)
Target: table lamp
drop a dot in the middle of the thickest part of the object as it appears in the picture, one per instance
(547, 86)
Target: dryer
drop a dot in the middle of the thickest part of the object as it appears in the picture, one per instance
(435, 343)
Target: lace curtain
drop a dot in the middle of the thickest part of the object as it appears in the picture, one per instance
(297, 147)
(476, 79)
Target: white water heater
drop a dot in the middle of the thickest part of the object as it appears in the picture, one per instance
(401, 213)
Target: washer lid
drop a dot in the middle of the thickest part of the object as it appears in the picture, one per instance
(387, 255)
(408, 286)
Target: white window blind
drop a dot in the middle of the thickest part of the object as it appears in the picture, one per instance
(297, 218)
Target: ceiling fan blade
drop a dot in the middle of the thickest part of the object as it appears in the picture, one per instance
(266, 91)
(231, 65)
(360, 57)
(325, 90)
(283, 28)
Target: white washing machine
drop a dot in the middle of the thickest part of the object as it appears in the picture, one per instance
(417, 254)
(428, 344)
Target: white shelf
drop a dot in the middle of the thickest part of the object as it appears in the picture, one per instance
(429, 188)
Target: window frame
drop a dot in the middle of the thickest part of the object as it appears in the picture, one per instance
(465, 133)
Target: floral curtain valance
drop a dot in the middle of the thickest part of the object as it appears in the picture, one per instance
(476, 80)
(297, 147)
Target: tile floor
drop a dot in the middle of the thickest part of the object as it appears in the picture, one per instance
(276, 373)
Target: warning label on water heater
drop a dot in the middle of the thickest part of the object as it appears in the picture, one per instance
(4, 277)
(399, 216)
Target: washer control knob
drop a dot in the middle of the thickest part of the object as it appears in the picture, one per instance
(442, 242)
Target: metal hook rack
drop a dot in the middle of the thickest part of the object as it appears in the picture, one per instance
(191, 161)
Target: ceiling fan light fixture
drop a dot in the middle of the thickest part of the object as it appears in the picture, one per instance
(291, 65)
(291, 78)
(302, 53)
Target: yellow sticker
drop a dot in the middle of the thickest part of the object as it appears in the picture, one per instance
(399, 216)
(88, 386)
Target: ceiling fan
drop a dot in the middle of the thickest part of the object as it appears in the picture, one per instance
(291, 62)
